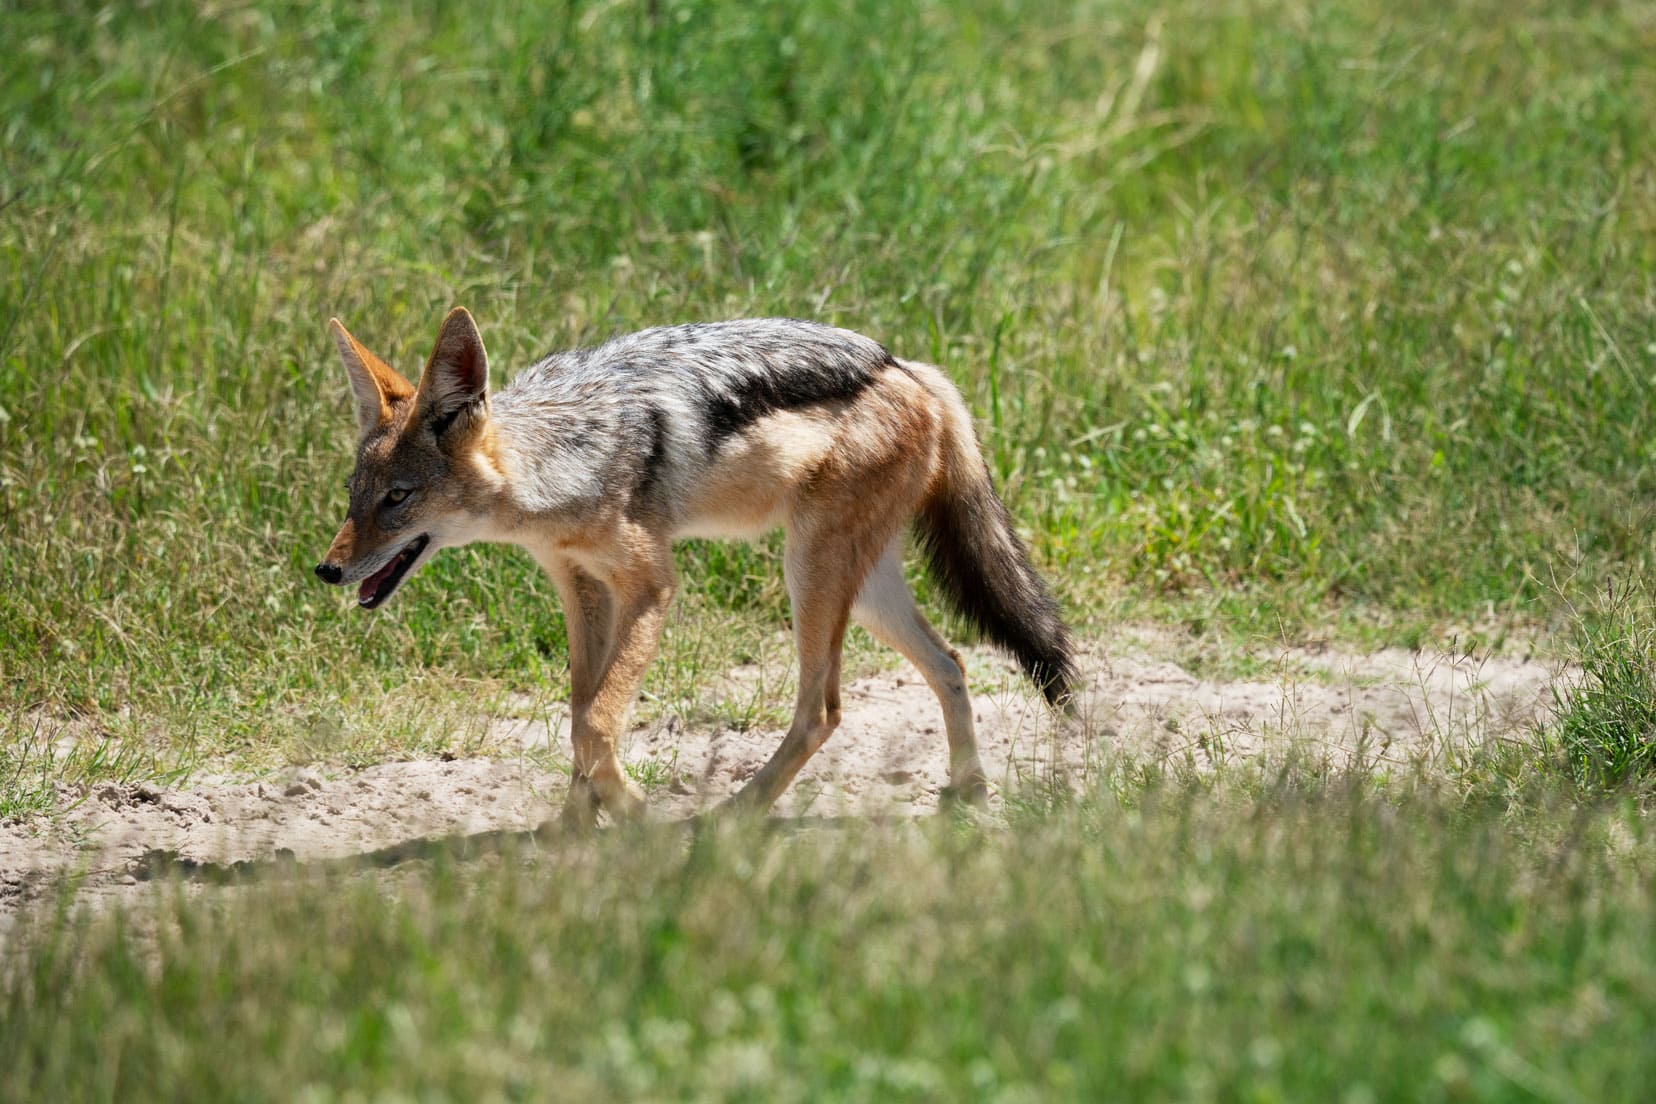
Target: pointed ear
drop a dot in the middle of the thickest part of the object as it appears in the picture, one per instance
(457, 376)
(375, 383)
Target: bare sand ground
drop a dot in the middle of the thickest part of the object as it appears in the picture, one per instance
(1392, 709)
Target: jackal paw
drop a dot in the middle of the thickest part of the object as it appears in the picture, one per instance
(626, 805)
(743, 805)
(580, 810)
(971, 793)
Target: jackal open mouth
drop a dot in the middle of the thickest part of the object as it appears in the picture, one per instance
(377, 587)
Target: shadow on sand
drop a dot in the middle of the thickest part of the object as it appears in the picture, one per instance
(160, 863)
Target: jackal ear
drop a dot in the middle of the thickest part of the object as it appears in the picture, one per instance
(375, 383)
(457, 376)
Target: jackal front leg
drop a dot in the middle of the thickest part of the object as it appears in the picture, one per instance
(639, 592)
(589, 620)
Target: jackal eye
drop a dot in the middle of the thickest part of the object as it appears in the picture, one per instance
(396, 495)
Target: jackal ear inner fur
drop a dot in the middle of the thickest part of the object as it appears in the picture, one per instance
(375, 383)
(457, 376)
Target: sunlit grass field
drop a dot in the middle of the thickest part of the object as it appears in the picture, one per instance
(1285, 321)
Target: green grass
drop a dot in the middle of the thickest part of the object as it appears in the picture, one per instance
(1281, 320)
(1301, 321)
(1297, 942)
(1606, 726)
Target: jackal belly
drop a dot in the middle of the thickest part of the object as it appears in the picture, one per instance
(750, 483)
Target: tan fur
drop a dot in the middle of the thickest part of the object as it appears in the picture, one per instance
(842, 478)
(749, 491)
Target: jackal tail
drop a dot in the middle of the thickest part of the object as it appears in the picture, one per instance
(982, 566)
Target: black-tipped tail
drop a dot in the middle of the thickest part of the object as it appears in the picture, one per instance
(985, 571)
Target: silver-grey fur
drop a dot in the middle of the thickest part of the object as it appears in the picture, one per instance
(640, 415)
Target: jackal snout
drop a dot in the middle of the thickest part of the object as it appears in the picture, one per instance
(336, 561)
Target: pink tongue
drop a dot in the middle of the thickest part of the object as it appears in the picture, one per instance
(372, 582)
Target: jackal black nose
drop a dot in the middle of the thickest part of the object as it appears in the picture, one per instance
(330, 573)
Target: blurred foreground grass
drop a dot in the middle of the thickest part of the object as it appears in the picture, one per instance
(1291, 940)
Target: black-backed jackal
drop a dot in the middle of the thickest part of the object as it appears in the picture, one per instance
(597, 460)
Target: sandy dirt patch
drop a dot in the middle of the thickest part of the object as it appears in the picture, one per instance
(1385, 710)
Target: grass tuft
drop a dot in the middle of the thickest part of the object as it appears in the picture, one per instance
(1606, 727)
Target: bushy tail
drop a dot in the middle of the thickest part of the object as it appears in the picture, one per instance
(984, 568)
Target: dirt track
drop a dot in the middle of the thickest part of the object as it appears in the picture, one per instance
(1391, 708)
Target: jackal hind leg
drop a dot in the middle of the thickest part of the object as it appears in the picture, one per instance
(886, 608)
(824, 566)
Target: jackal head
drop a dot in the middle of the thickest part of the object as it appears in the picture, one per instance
(420, 481)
